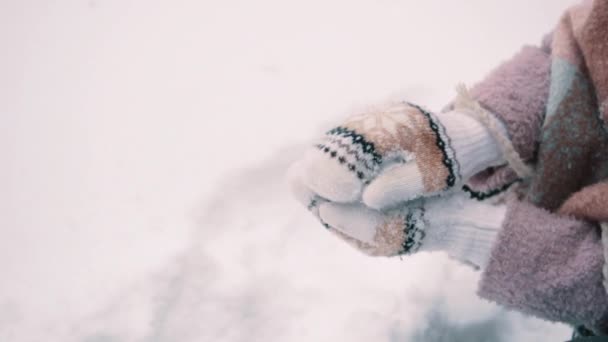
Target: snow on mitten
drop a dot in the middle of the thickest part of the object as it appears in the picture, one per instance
(402, 151)
(466, 229)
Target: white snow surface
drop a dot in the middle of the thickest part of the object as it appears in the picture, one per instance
(144, 146)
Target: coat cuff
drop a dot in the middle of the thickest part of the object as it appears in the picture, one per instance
(548, 266)
(465, 230)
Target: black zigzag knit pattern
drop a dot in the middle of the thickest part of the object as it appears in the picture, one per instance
(414, 233)
(366, 159)
(480, 196)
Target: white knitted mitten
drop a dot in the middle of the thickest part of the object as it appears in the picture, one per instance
(462, 227)
(397, 153)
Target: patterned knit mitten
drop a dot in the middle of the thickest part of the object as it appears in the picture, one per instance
(466, 229)
(368, 230)
(398, 153)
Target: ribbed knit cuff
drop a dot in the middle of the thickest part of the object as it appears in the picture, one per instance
(472, 142)
(466, 230)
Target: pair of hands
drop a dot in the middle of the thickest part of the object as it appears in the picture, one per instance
(374, 180)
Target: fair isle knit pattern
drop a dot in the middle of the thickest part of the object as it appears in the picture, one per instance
(353, 151)
(398, 133)
(400, 232)
(403, 233)
(415, 226)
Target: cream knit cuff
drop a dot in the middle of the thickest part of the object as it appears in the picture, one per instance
(463, 228)
(475, 147)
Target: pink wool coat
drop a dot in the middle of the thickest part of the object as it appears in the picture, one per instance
(553, 100)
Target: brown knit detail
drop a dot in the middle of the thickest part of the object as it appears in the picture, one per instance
(402, 127)
(429, 156)
(389, 238)
(384, 128)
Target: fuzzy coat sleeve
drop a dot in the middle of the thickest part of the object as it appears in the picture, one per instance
(516, 92)
(543, 263)
(548, 266)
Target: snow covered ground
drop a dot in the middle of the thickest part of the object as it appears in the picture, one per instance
(144, 145)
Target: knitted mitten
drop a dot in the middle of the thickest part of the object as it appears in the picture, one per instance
(464, 228)
(402, 151)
